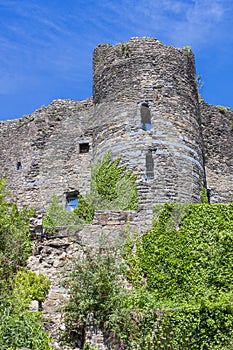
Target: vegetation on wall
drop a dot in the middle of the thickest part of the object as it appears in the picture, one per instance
(112, 188)
(84, 210)
(112, 185)
(18, 326)
(169, 289)
(57, 217)
(185, 262)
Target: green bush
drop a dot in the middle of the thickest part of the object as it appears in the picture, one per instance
(57, 217)
(112, 186)
(22, 329)
(28, 286)
(185, 263)
(18, 327)
(15, 243)
(92, 289)
(84, 211)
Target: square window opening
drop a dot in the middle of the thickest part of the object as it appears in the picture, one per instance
(84, 147)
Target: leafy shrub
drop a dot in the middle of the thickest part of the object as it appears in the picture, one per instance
(22, 329)
(84, 211)
(112, 186)
(92, 288)
(18, 327)
(57, 217)
(28, 286)
(15, 243)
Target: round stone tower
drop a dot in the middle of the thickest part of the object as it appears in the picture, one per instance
(146, 111)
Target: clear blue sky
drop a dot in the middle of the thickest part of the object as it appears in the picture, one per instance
(46, 46)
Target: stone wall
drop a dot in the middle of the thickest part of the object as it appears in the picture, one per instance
(55, 256)
(181, 145)
(146, 73)
(40, 153)
(217, 129)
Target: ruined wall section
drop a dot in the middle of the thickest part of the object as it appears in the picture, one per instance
(56, 256)
(144, 71)
(217, 129)
(40, 153)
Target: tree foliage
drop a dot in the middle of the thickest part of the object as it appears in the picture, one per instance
(15, 243)
(18, 327)
(112, 185)
(171, 288)
(57, 217)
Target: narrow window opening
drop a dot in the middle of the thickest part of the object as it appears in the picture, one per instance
(145, 116)
(149, 166)
(71, 201)
(84, 147)
(19, 166)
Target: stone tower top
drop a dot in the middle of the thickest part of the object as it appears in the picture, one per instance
(135, 69)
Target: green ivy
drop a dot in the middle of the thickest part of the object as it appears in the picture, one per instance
(204, 196)
(185, 263)
(193, 259)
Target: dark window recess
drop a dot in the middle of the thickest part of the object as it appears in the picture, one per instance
(149, 166)
(71, 201)
(145, 116)
(19, 166)
(208, 195)
(84, 147)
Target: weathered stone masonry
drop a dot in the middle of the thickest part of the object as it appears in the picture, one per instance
(146, 109)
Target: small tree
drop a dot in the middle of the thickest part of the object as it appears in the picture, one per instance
(112, 185)
(15, 244)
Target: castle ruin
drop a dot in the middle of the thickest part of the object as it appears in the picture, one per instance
(145, 109)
